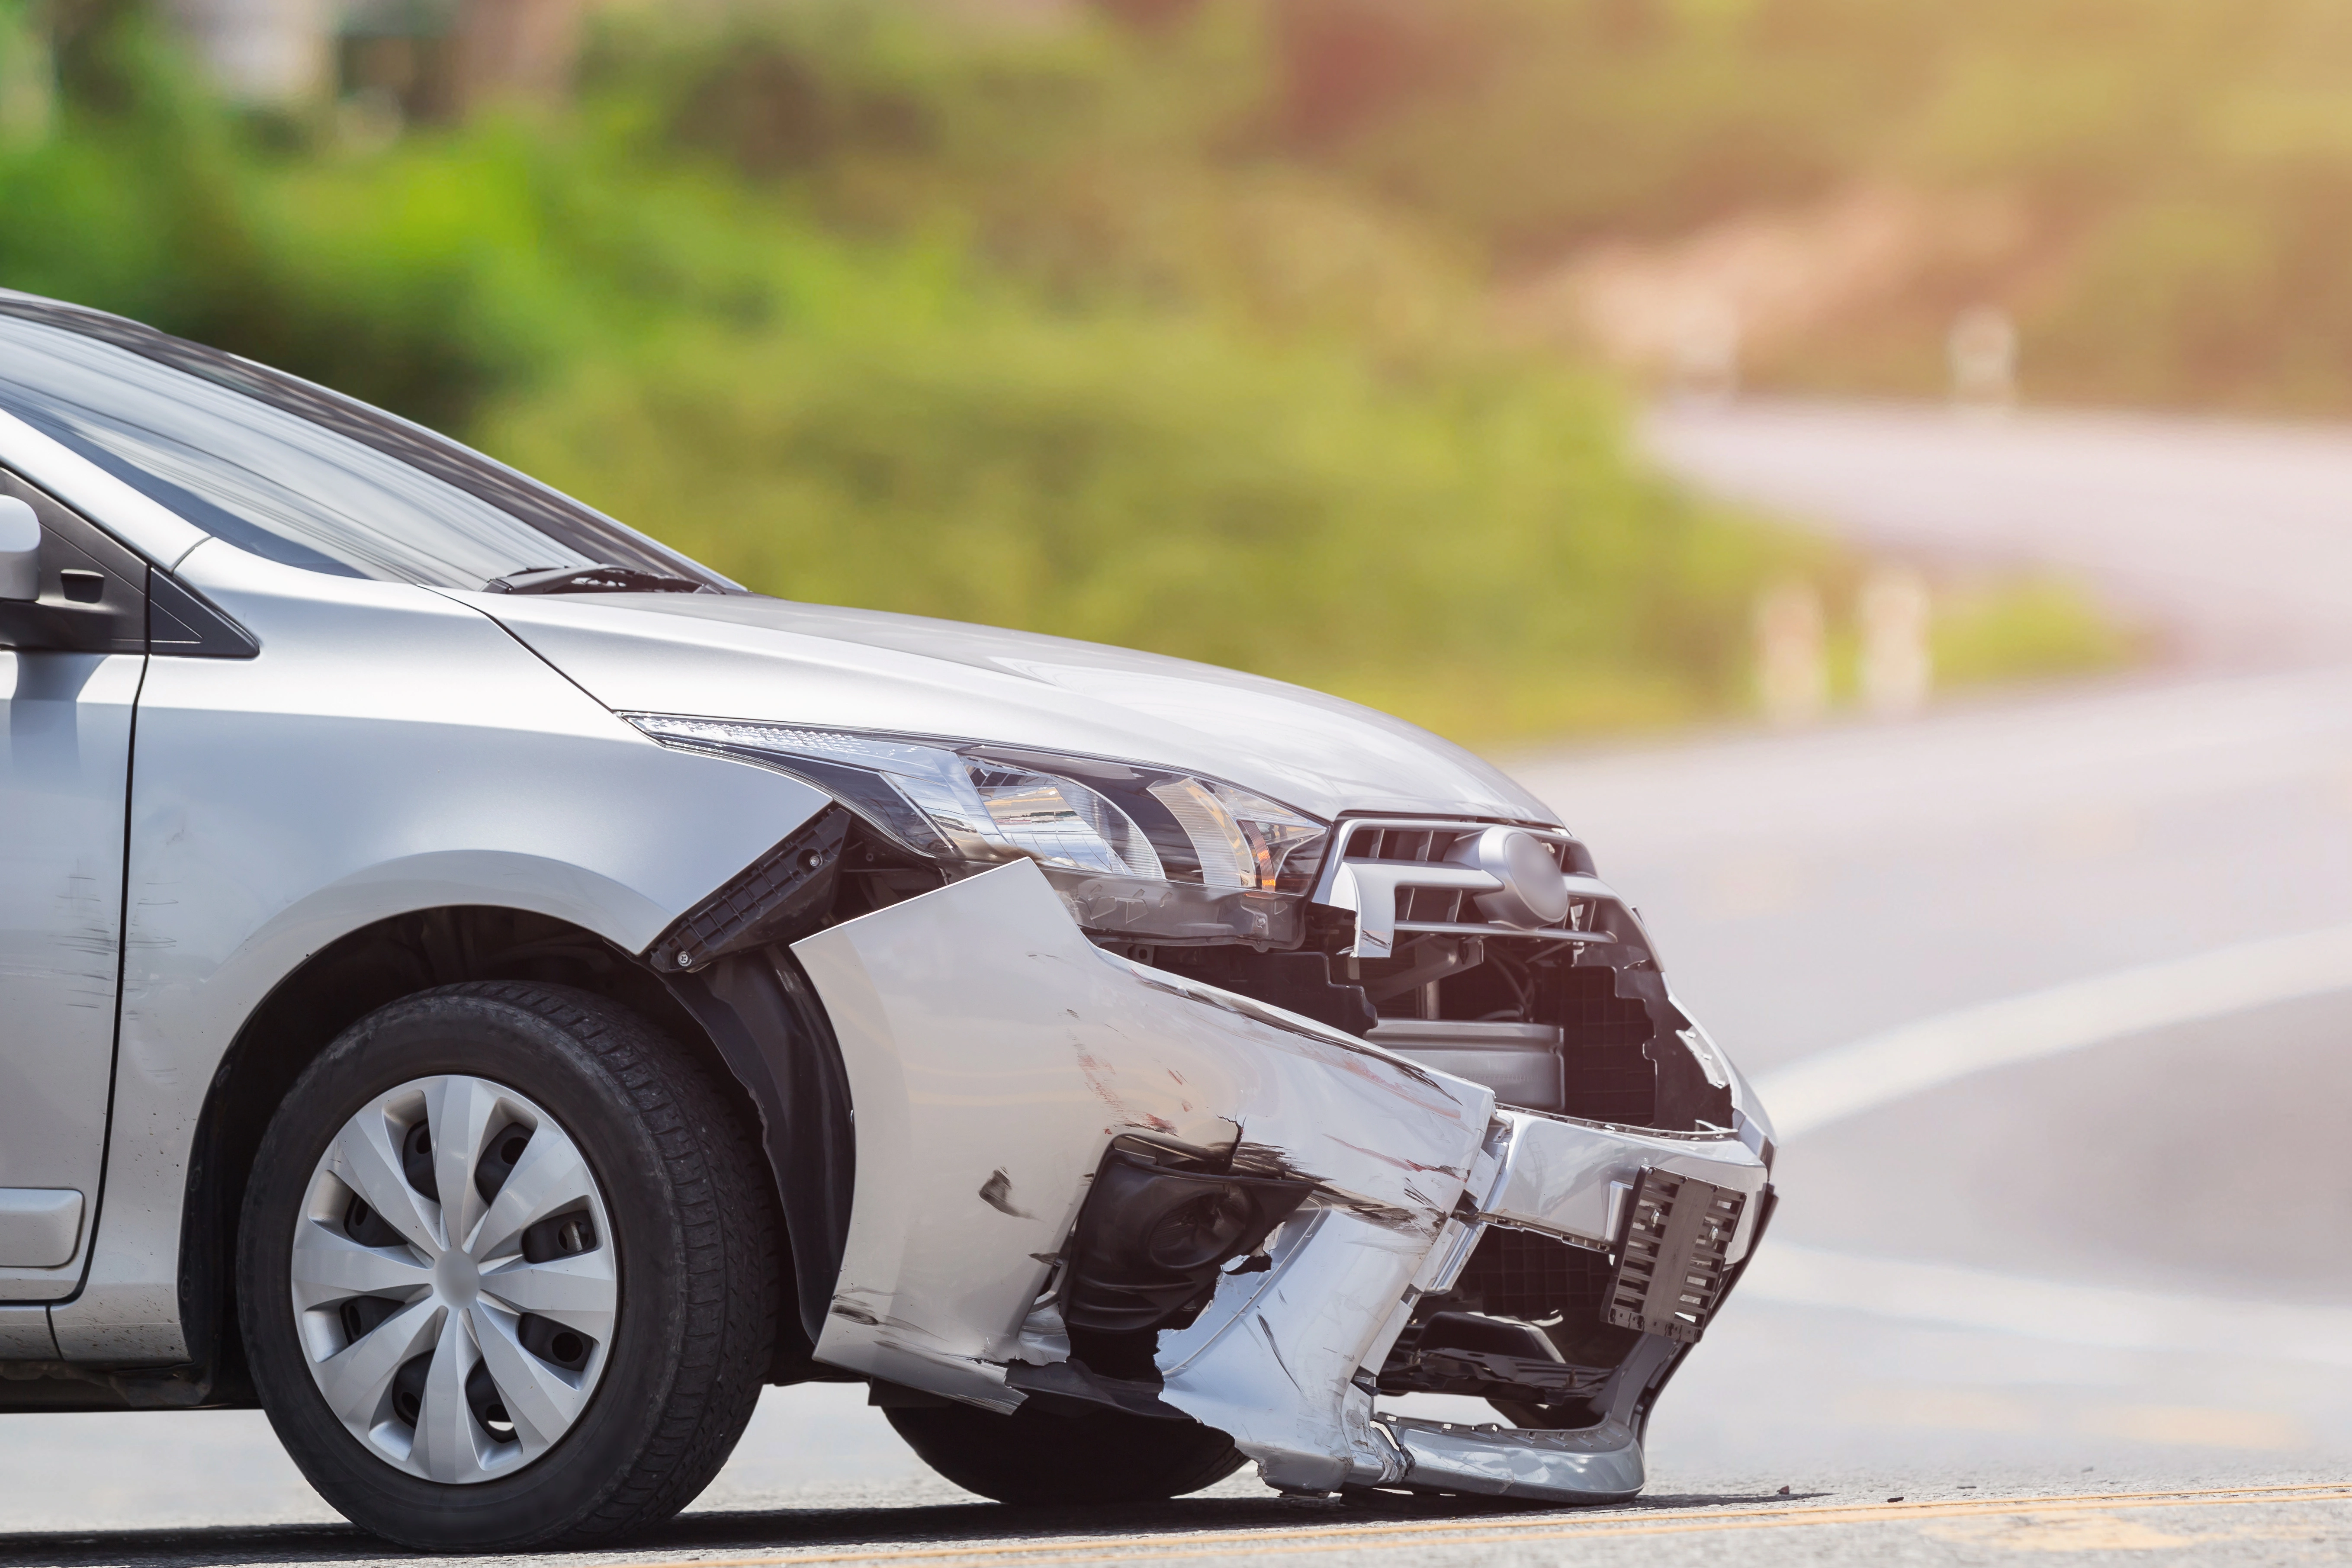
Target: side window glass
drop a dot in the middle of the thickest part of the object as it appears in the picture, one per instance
(262, 478)
(295, 473)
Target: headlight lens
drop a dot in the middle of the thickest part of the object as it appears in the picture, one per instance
(1135, 851)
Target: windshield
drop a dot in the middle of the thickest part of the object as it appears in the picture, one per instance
(291, 472)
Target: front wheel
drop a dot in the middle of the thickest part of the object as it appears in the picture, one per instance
(506, 1271)
(1033, 1457)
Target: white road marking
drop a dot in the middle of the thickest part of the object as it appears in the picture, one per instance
(1882, 1068)
(1892, 1066)
(2071, 1314)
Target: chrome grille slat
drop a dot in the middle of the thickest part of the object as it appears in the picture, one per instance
(1541, 933)
(1394, 874)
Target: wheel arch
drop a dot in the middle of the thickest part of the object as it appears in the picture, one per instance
(752, 1023)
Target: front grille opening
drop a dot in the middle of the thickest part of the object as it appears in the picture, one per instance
(1435, 844)
(1538, 1020)
(1561, 1291)
(1606, 1072)
(1609, 1075)
(1518, 1274)
(1501, 990)
(1439, 904)
(1405, 843)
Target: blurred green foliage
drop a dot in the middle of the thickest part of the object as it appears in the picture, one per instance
(1056, 328)
(1478, 554)
(2023, 632)
(2180, 169)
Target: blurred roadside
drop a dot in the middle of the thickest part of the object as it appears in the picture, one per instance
(2045, 1262)
(1185, 326)
(2151, 191)
(2224, 537)
(1304, 335)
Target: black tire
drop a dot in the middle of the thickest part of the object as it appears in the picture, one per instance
(1030, 1457)
(695, 1239)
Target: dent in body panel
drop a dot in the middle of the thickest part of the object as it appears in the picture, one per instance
(388, 750)
(992, 1049)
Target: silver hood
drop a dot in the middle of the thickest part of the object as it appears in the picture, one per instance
(748, 656)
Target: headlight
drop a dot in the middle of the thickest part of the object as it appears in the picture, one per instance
(1135, 851)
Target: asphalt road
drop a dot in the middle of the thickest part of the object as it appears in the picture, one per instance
(2020, 1300)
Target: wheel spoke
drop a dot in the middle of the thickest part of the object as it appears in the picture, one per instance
(447, 1448)
(364, 1159)
(329, 1265)
(550, 1175)
(354, 1378)
(540, 1401)
(578, 1292)
(459, 1110)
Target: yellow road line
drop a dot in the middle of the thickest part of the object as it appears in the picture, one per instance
(1882, 1514)
(1468, 1531)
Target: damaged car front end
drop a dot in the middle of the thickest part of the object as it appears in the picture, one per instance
(1176, 1103)
(517, 994)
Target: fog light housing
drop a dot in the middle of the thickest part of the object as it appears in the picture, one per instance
(1154, 1232)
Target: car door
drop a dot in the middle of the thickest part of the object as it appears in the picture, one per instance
(68, 691)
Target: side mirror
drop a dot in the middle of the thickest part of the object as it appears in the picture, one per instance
(20, 552)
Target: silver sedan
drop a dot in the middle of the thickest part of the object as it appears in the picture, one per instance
(496, 993)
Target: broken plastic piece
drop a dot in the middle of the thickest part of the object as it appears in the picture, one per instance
(1468, 1352)
(1590, 1464)
(883, 1395)
(1671, 1263)
(1074, 1383)
(762, 903)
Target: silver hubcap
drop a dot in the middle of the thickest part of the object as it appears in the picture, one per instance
(455, 1278)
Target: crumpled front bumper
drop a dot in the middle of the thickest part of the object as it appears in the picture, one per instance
(1572, 1181)
(994, 1053)
(1566, 1179)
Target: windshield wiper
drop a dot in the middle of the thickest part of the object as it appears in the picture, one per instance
(599, 579)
